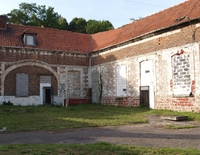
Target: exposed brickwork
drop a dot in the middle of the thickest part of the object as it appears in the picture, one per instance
(127, 101)
(78, 101)
(66, 55)
(133, 83)
(176, 39)
(74, 84)
(34, 74)
(177, 104)
(14, 55)
(181, 74)
(163, 81)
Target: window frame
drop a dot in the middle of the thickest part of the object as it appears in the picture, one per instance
(25, 39)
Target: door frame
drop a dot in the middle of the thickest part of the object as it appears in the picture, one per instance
(142, 102)
(45, 95)
(146, 67)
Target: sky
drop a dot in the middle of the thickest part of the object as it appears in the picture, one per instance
(118, 12)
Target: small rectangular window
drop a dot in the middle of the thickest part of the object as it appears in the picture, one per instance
(29, 39)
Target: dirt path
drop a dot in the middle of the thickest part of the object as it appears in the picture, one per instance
(151, 134)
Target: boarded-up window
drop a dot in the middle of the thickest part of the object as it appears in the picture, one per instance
(121, 80)
(181, 74)
(21, 85)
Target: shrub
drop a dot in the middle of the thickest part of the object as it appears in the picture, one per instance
(8, 103)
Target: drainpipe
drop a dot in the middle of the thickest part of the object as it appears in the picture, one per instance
(90, 62)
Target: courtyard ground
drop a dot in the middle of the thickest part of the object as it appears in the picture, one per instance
(151, 134)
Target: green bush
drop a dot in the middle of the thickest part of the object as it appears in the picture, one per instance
(7, 103)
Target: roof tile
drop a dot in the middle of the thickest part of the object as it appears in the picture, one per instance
(151, 23)
(62, 40)
(49, 39)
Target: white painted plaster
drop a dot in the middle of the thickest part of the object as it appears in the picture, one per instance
(121, 79)
(23, 101)
(147, 79)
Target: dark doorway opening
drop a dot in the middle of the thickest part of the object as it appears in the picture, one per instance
(144, 96)
(48, 94)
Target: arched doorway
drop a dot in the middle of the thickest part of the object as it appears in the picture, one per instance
(146, 85)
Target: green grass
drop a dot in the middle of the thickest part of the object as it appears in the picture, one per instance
(90, 149)
(53, 118)
(191, 116)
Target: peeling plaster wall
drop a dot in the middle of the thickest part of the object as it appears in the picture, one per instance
(163, 79)
(109, 72)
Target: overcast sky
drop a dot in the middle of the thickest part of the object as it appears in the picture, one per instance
(118, 12)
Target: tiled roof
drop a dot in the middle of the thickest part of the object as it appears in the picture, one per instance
(160, 20)
(46, 38)
(61, 40)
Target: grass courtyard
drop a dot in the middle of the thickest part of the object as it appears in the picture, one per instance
(57, 119)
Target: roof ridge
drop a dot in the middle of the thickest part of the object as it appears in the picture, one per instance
(46, 28)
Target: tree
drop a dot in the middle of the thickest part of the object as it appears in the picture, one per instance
(31, 14)
(94, 26)
(38, 15)
(136, 19)
(78, 25)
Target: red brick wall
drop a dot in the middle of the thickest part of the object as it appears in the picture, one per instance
(177, 104)
(34, 74)
(14, 55)
(127, 101)
(173, 40)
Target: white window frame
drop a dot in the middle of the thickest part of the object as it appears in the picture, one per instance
(29, 39)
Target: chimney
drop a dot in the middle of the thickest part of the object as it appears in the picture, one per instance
(2, 22)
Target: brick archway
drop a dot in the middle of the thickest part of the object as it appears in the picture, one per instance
(27, 63)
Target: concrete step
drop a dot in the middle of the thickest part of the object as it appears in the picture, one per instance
(175, 118)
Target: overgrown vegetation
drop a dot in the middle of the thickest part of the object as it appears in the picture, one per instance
(100, 87)
(39, 15)
(91, 149)
(53, 118)
(8, 103)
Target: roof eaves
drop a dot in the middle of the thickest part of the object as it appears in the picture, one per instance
(149, 34)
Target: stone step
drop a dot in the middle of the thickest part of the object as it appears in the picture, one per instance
(175, 118)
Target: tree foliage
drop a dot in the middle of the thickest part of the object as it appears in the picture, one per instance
(78, 25)
(38, 15)
(94, 26)
(31, 14)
